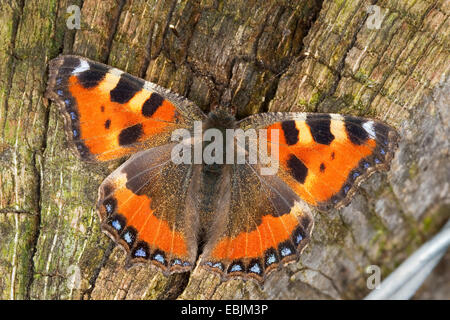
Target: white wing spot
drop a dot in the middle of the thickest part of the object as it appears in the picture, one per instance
(140, 253)
(369, 127)
(337, 117)
(236, 268)
(116, 72)
(128, 237)
(159, 258)
(116, 225)
(285, 251)
(81, 68)
(255, 269)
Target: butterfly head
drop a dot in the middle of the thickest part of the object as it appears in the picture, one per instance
(221, 117)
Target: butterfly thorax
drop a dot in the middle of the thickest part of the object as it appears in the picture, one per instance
(211, 177)
(220, 119)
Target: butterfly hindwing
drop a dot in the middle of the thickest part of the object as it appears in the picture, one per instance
(145, 205)
(259, 224)
(109, 113)
(324, 157)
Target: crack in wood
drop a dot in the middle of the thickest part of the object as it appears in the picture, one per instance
(38, 165)
(115, 26)
(86, 294)
(323, 274)
(341, 64)
(13, 210)
(166, 29)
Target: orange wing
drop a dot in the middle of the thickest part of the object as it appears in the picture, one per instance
(323, 157)
(259, 223)
(146, 206)
(109, 113)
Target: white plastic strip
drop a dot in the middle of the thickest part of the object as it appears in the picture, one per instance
(403, 282)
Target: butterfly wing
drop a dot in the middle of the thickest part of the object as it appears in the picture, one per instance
(324, 157)
(260, 222)
(146, 206)
(265, 220)
(109, 113)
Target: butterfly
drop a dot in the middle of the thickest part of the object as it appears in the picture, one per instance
(225, 217)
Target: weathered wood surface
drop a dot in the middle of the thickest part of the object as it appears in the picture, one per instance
(260, 55)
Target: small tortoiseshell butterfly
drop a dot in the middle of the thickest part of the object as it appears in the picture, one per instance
(238, 221)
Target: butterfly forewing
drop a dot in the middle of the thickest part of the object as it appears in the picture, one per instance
(109, 113)
(323, 157)
(146, 206)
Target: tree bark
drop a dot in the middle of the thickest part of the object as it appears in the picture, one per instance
(259, 56)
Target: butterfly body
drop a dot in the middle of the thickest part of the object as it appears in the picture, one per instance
(222, 215)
